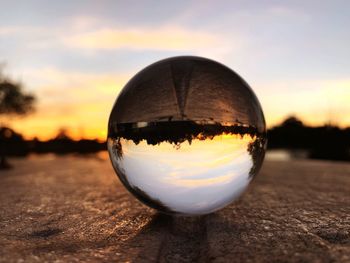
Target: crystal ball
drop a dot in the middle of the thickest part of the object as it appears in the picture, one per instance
(186, 135)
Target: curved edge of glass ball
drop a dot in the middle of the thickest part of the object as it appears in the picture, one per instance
(187, 88)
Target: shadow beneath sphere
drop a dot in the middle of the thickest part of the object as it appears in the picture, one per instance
(174, 239)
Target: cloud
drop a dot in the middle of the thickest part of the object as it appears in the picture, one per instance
(84, 35)
(167, 38)
(6, 31)
(21, 30)
(53, 76)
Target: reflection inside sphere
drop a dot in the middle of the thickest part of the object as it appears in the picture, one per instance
(196, 175)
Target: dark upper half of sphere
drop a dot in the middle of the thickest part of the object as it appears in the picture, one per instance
(188, 88)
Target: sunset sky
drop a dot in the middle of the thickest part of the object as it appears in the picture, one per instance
(77, 55)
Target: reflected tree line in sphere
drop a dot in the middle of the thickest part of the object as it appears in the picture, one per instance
(178, 132)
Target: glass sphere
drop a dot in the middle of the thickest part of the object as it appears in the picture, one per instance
(186, 135)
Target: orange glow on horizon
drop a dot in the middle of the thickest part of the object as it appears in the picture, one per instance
(45, 127)
(81, 104)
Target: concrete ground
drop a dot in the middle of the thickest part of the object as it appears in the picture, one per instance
(73, 209)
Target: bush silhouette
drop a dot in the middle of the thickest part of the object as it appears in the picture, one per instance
(13, 101)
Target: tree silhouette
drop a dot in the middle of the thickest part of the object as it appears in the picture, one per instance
(13, 101)
(292, 121)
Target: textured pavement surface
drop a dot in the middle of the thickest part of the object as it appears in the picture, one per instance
(73, 209)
